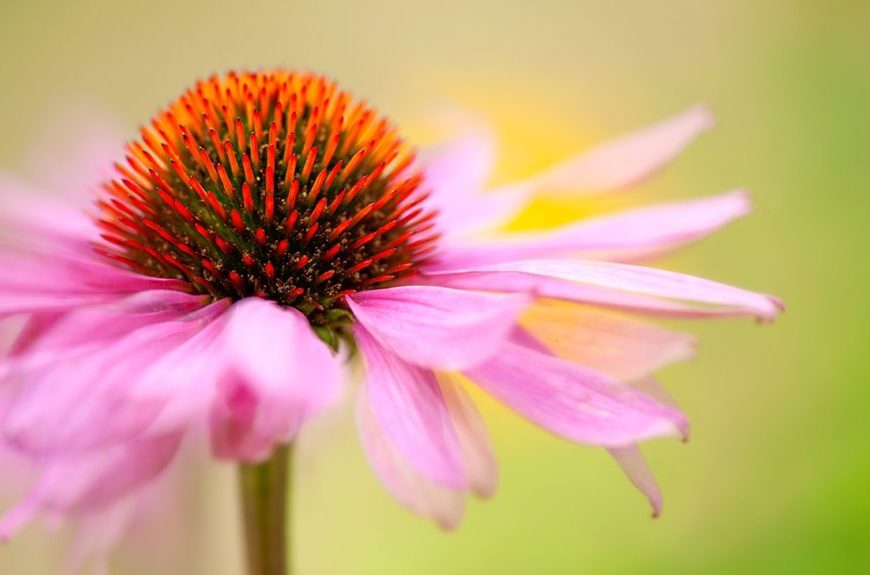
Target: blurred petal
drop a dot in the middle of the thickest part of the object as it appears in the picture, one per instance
(630, 235)
(76, 483)
(625, 160)
(184, 380)
(30, 216)
(651, 387)
(101, 355)
(573, 401)
(277, 374)
(409, 407)
(437, 327)
(74, 151)
(635, 467)
(618, 346)
(33, 283)
(49, 335)
(96, 534)
(481, 467)
(462, 164)
(425, 498)
(615, 285)
(455, 174)
(456, 170)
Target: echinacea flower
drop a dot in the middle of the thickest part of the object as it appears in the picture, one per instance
(264, 226)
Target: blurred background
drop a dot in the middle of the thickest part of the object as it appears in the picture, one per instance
(776, 477)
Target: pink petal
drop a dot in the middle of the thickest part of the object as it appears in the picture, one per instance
(77, 483)
(29, 216)
(615, 285)
(481, 467)
(461, 165)
(630, 235)
(409, 407)
(651, 387)
(573, 401)
(108, 321)
(58, 281)
(437, 327)
(422, 496)
(74, 150)
(625, 160)
(184, 380)
(632, 463)
(96, 535)
(615, 345)
(32, 330)
(277, 373)
(101, 356)
(456, 171)
(483, 212)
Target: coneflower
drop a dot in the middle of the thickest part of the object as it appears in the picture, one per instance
(266, 224)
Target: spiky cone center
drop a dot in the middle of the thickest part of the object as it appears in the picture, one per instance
(276, 184)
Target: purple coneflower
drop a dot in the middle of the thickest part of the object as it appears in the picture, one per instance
(266, 225)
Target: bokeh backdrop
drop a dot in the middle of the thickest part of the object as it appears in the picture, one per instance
(776, 477)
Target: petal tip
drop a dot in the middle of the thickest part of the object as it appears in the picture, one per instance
(449, 523)
(742, 199)
(703, 116)
(772, 308)
(684, 428)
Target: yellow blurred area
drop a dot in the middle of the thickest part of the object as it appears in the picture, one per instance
(775, 479)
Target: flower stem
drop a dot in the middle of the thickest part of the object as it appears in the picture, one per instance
(265, 491)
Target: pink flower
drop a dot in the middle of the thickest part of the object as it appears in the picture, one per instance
(263, 226)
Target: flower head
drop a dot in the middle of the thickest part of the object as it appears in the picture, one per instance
(272, 185)
(263, 219)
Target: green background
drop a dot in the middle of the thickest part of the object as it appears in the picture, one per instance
(777, 476)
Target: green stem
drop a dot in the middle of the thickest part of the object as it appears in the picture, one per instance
(265, 492)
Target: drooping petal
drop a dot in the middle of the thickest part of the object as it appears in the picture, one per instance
(613, 344)
(426, 498)
(620, 286)
(276, 374)
(410, 409)
(635, 467)
(573, 401)
(46, 282)
(481, 467)
(101, 356)
(625, 160)
(184, 380)
(624, 236)
(52, 334)
(96, 534)
(77, 483)
(437, 327)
